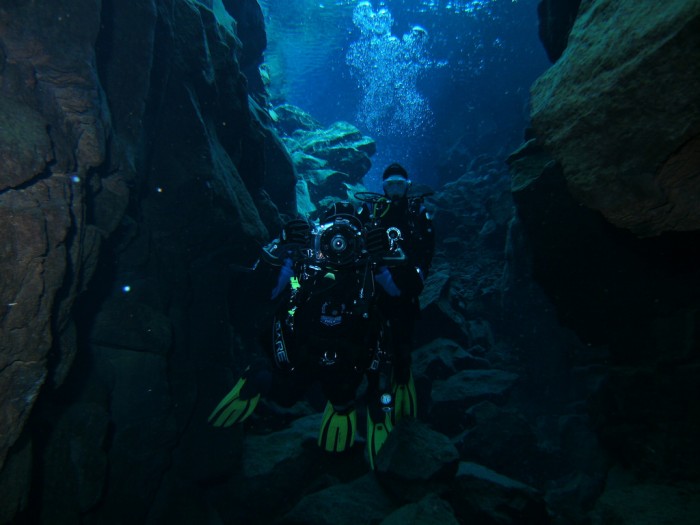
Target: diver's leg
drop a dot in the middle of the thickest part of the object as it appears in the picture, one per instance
(379, 408)
(380, 402)
(403, 386)
(339, 383)
(240, 402)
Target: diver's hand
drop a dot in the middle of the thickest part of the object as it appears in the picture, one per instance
(286, 273)
(376, 241)
(296, 231)
(386, 281)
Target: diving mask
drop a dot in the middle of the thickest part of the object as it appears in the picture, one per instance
(396, 187)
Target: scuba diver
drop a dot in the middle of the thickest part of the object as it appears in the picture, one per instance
(329, 326)
(325, 327)
(406, 222)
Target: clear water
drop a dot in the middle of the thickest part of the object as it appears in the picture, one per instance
(419, 76)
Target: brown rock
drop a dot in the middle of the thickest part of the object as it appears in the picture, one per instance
(52, 133)
(618, 105)
(25, 147)
(35, 223)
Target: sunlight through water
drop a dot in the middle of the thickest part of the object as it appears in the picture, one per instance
(421, 77)
(388, 69)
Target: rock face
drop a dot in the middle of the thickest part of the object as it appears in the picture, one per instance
(622, 121)
(129, 150)
(622, 129)
(330, 162)
(637, 298)
(53, 136)
(606, 283)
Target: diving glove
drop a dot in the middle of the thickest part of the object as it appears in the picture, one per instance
(236, 406)
(337, 432)
(377, 241)
(297, 231)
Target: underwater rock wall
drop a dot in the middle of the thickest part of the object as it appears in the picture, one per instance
(607, 195)
(619, 113)
(128, 152)
(633, 303)
(53, 137)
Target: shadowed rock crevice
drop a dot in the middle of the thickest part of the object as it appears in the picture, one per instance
(556, 20)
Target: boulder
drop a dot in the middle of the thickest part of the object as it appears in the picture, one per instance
(347, 159)
(572, 497)
(324, 182)
(289, 119)
(331, 161)
(442, 358)
(286, 466)
(304, 162)
(470, 386)
(262, 453)
(603, 280)
(480, 495)
(342, 504)
(428, 511)
(452, 396)
(629, 149)
(336, 134)
(440, 307)
(503, 440)
(415, 461)
(648, 504)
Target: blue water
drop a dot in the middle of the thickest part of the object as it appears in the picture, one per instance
(419, 76)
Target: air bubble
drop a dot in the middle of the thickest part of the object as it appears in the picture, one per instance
(388, 69)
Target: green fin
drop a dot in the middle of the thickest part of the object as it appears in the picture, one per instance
(377, 432)
(405, 401)
(233, 408)
(337, 431)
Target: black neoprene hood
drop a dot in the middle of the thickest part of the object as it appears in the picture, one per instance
(395, 169)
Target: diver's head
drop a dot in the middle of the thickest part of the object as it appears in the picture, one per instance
(395, 182)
